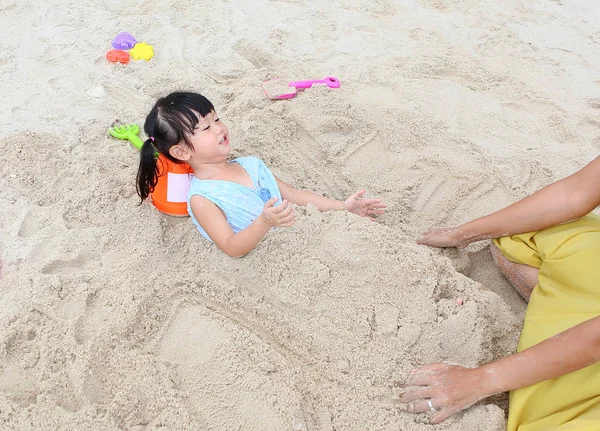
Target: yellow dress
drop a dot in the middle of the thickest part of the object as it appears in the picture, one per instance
(567, 293)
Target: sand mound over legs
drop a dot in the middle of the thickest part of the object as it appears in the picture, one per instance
(130, 320)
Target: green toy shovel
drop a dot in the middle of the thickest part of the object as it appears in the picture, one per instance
(128, 132)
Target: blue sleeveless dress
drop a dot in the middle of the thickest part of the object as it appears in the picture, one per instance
(240, 204)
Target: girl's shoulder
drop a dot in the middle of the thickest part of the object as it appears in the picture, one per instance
(249, 161)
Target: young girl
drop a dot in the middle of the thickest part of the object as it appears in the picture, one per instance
(232, 203)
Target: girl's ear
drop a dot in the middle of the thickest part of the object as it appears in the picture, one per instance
(180, 152)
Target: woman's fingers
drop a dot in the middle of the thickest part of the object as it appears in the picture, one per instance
(443, 414)
(416, 394)
(424, 376)
(420, 407)
(442, 390)
(437, 412)
(426, 238)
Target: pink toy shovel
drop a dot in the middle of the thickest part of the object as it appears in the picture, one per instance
(278, 89)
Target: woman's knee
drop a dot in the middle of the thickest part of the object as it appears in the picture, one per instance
(522, 277)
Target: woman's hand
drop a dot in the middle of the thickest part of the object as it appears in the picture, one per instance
(279, 216)
(449, 388)
(444, 237)
(364, 207)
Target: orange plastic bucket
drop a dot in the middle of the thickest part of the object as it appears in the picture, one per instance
(170, 194)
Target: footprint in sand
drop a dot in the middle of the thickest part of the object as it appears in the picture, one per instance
(253, 53)
(191, 338)
(18, 372)
(233, 376)
(80, 263)
(94, 321)
(35, 220)
(433, 193)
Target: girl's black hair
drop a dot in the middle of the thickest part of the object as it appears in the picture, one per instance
(171, 121)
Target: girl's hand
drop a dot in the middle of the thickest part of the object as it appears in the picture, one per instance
(449, 388)
(443, 237)
(279, 216)
(364, 207)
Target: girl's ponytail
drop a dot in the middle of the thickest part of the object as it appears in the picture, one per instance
(147, 175)
(170, 122)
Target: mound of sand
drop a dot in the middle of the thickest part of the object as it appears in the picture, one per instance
(125, 318)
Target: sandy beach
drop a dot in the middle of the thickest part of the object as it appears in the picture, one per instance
(115, 316)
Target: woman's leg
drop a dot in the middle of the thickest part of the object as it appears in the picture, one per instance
(523, 277)
(566, 294)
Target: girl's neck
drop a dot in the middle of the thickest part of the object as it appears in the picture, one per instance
(206, 171)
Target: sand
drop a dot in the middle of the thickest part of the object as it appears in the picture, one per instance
(115, 316)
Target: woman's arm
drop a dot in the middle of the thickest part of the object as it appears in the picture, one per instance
(559, 202)
(213, 221)
(354, 204)
(451, 388)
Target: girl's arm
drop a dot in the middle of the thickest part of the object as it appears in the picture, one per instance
(354, 204)
(213, 221)
(304, 197)
(451, 388)
(559, 202)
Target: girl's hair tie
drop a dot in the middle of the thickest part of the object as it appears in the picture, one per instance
(152, 138)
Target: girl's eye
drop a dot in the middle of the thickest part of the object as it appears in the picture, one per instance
(207, 127)
(217, 119)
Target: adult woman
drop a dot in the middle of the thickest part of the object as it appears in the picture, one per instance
(554, 263)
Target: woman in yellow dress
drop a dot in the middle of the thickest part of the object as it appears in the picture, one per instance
(548, 246)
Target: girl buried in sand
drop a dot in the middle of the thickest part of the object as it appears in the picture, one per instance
(548, 247)
(232, 203)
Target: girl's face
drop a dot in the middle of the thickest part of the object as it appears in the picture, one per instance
(210, 140)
